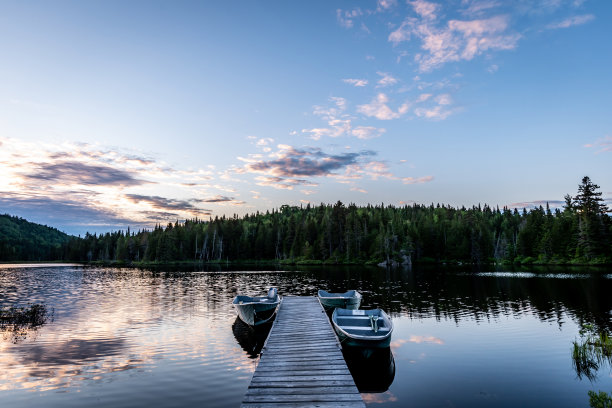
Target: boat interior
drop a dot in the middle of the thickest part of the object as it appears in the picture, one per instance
(363, 324)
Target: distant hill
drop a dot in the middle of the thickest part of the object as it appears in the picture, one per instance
(21, 240)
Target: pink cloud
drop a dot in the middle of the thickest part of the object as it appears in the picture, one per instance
(367, 132)
(454, 41)
(379, 109)
(426, 339)
(418, 180)
(356, 82)
(571, 21)
(386, 79)
(425, 9)
(346, 17)
(602, 145)
(383, 5)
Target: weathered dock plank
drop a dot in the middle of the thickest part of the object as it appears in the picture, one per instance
(301, 363)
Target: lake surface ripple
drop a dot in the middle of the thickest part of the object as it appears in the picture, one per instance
(159, 338)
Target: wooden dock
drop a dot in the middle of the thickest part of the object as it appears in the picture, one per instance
(301, 363)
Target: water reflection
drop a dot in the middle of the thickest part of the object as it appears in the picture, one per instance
(251, 339)
(591, 352)
(172, 338)
(73, 351)
(374, 371)
(423, 293)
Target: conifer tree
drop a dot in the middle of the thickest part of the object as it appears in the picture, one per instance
(591, 224)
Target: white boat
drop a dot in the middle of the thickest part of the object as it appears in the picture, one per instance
(257, 310)
(348, 300)
(363, 328)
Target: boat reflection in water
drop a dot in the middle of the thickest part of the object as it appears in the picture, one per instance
(251, 338)
(374, 371)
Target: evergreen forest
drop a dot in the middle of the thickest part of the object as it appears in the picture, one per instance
(21, 240)
(578, 233)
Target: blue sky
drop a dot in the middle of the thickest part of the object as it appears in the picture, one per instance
(117, 114)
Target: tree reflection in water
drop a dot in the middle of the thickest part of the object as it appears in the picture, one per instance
(592, 351)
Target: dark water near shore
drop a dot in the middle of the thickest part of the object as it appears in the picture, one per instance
(136, 338)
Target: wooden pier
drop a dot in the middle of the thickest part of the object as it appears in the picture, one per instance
(301, 363)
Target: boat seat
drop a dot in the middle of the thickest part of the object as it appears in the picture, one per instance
(358, 322)
(359, 328)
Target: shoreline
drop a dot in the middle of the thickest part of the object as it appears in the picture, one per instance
(263, 263)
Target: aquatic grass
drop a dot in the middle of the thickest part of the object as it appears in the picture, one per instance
(591, 352)
(600, 400)
(33, 315)
(17, 322)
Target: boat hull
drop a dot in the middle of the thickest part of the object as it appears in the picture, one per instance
(347, 300)
(256, 310)
(360, 343)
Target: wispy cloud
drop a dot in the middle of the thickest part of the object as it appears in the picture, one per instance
(384, 5)
(339, 123)
(162, 203)
(264, 143)
(427, 10)
(475, 8)
(452, 40)
(385, 80)
(217, 199)
(356, 82)
(438, 109)
(367, 132)
(282, 183)
(418, 180)
(78, 173)
(537, 203)
(571, 21)
(601, 145)
(292, 167)
(346, 18)
(305, 162)
(80, 184)
(379, 109)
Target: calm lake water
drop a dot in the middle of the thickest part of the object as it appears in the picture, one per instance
(143, 338)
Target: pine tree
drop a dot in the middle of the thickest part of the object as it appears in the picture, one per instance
(589, 201)
(591, 210)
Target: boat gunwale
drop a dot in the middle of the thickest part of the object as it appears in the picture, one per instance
(277, 301)
(340, 296)
(362, 337)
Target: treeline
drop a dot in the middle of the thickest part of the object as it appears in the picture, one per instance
(580, 232)
(21, 240)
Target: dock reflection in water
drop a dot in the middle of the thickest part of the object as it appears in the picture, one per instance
(251, 339)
